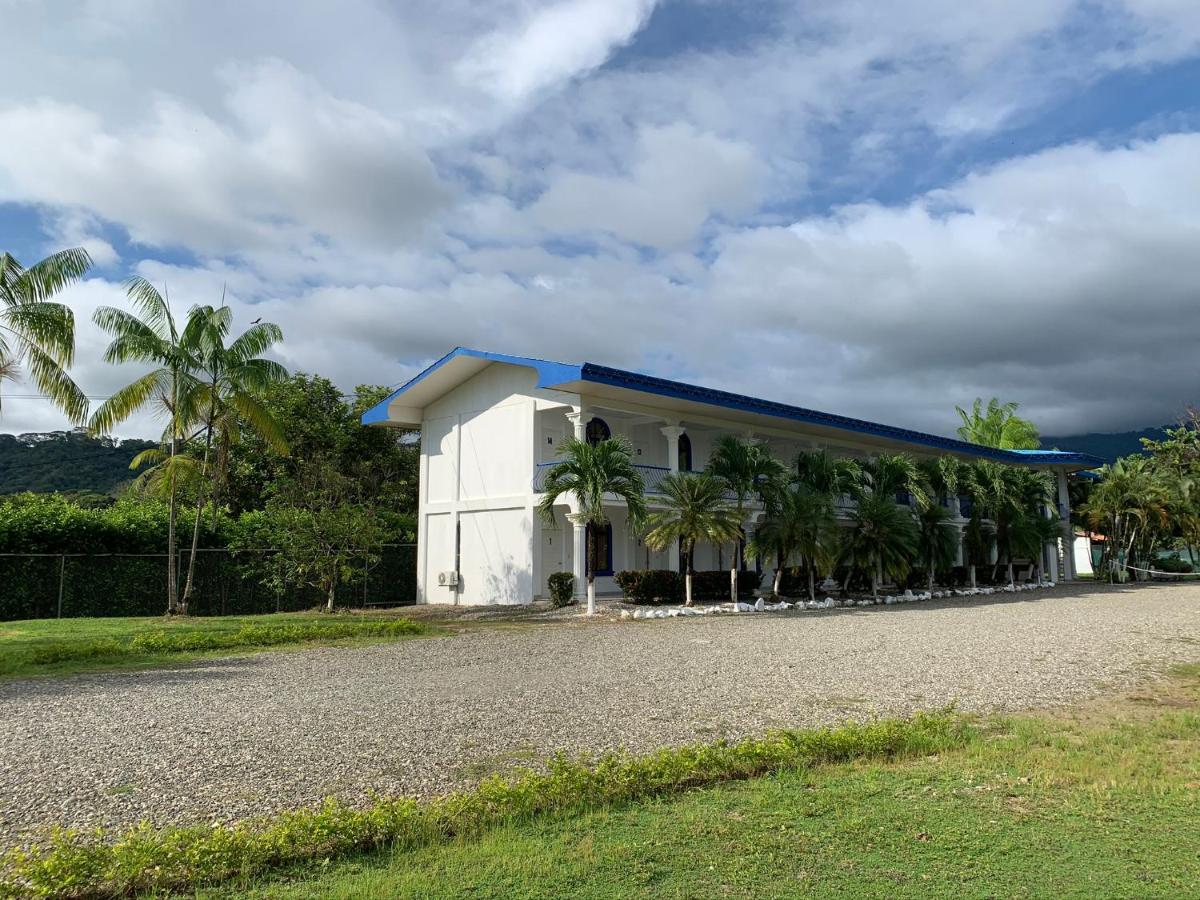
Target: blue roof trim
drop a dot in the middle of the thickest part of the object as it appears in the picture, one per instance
(549, 373)
(680, 391)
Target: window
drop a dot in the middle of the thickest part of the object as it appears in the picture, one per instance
(601, 549)
(685, 453)
(597, 431)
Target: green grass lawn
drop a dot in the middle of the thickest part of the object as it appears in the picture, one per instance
(1103, 803)
(67, 646)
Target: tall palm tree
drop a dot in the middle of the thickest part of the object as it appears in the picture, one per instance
(882, 539)
(233, 380)
(36, 332)
(151, 336)
(1130, 501)
(889, 474)
(799, 521)
(695, 509)
(591, 472)
(997, 426)
(748, 469)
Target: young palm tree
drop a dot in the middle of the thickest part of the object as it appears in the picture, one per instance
(150, 336)
(37, 333)
(889, 474)
(998, 426)
(233, 380)
(591, 472)
(882, 539)
(747, 469)
(1130, 501)
(695, 510)
(937, 540)
(801, 521)
(827, 475)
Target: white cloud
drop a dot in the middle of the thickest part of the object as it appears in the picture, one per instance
(554, 43)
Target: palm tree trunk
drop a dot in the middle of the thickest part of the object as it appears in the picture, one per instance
(191, 569)
(687, 579)
(329, 598)
(591, 573)
(930, 572)
(812, 583)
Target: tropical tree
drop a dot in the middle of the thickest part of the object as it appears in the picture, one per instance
(827, 475)
(694, 509)
(937, 540)
(1131, 506)
(591, 472)
(799, 521)
(171, 388)
(37, 333)
(233, 380)
(1013, 498)
(881, 540)
(997, 426)
(887, 475)
(747, 469)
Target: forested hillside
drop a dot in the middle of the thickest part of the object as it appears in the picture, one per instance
(1108, 447)
(66, 461)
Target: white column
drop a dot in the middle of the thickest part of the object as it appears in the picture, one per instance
(673, 433)
(958, 547)
(578, 417)
(1064, 516)
(579, 559)
(1050, 552)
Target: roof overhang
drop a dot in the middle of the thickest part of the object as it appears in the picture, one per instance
(404, 407)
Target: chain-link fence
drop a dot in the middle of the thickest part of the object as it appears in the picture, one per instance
(226, 582)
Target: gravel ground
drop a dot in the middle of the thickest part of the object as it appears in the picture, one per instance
(237, 737)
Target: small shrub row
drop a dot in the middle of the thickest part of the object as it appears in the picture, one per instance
(666, 586)
(196, 640)
(1172, 564)
(78, 864)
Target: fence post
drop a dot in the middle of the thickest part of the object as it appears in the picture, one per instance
(62, 576)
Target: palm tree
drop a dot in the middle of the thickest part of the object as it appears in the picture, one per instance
(38, 333)
(1130, 502)
(882, 540)
(998, 426)
(824, 474)
(801, 521)
(747, 469)
(695, 510)
(890, 474)
(150, 335)
(233, 380)
(592, 472)
(937, 540)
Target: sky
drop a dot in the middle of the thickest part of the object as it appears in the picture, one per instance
(876, 209)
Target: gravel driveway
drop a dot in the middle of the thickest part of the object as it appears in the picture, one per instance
(238, 737)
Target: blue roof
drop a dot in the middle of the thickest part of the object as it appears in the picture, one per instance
(554, 374)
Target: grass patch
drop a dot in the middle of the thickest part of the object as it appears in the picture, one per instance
(1097, 802)
(65, 646)
(145, 859)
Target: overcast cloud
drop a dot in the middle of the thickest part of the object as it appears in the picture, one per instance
(875, 209)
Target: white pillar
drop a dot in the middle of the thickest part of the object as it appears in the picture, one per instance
(578, 417)
(579, 560)
(1064, 515)
(673, 432)
(958, 547)
(1050, 552)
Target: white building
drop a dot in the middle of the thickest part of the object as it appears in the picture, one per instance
(491, 425)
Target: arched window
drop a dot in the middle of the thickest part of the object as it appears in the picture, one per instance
(685, 453)
(597, 431)
(600, 543)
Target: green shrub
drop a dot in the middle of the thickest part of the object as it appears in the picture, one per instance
(562, 589)
(714, 586)
(651, 585)
(62, 651)
(1172, 564)
(145, 859)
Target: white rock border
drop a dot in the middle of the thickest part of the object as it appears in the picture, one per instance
(760, 605)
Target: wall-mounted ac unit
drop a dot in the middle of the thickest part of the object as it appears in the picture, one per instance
(448, 579)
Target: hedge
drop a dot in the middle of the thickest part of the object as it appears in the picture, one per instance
(666, 586)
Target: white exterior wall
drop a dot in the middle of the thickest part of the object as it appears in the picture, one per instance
(477, 514)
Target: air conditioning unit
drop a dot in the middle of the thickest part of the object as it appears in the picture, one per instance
(448, 579)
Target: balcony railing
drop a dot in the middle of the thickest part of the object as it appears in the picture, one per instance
(652, 476)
